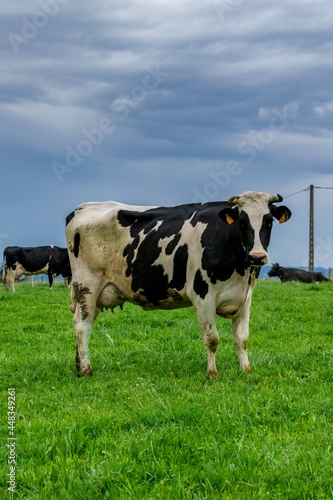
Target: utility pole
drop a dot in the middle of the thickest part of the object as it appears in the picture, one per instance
(311, 231)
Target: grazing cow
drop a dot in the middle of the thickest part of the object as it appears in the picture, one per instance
(50, 260)
(206, 255)
(291, 274)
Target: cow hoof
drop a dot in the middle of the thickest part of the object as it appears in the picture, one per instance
(85, 373)
(212, 374)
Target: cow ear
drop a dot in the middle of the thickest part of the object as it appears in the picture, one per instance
(228, 215)
(282, 213)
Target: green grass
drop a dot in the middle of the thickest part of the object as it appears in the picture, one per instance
(148, 425)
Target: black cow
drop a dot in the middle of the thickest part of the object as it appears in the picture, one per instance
(50, 260)
(291, 274)
(205, 255)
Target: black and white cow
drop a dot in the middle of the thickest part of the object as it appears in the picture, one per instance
(206, 255)
(291, 274)
(50, 260)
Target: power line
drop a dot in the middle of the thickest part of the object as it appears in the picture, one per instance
(293, 194)
(306, 189)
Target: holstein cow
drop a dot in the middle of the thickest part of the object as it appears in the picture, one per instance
(291, 274)
(50, 260)
(206, 255)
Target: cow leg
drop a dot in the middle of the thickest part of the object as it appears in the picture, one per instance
(85, 313)
(240, 328)
(82, 330)
(210, 336)
(10, 279)
(50, 276)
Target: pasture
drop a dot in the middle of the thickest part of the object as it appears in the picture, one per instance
(148, 424)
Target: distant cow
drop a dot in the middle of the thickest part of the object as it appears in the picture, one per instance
(206, 255)
(291, 274)
(50, 260)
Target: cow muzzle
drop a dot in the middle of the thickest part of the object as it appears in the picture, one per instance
(258, 259)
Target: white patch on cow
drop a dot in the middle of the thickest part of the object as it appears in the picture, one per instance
(256, 221)
(165, 260)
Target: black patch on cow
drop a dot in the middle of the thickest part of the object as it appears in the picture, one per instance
(223, 251)
(77, 238)
(265, 230)
(207, 212)
(140, 220)
(179, 268)
(172, 244)
(246, 231)
(148, 278)
(129, 252)
(199, 285)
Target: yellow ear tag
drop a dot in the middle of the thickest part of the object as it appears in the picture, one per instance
(229, 219)
(283, 219)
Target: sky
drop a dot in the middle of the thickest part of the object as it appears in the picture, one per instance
(165, 102)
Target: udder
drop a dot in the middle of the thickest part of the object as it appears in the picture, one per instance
(110, 297)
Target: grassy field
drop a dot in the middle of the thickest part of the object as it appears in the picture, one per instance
(148, 425)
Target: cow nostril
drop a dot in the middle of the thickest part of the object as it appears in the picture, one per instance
(258, 259)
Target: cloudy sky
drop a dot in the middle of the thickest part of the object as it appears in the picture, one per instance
(165, 102)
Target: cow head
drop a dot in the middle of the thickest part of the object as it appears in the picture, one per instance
(254, 213)
(275, 271)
